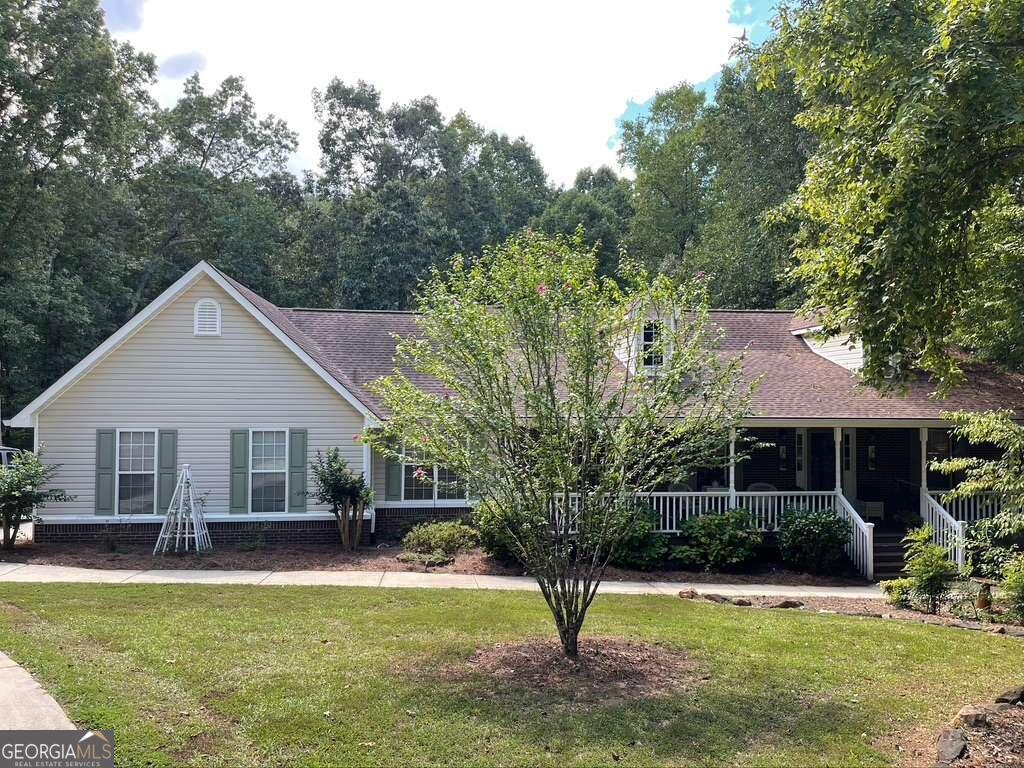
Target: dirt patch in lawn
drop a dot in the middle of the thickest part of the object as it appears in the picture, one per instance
(382, 557)
(609, 669)
(880, 609)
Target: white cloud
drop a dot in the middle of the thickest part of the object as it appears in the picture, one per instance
(554, 71)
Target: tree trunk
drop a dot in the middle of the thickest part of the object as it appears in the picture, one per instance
(346, 538)
(8, 542)
(570, 637)
(357, 534)
(565, 597)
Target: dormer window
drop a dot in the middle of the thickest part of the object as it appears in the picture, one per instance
(650, 350)
(206, 318)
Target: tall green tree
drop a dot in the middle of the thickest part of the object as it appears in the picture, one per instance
(664, 149)
(74, 117)
(757, 156)
(910, 212)
(201, 196)
(406, 189)
(599, 202)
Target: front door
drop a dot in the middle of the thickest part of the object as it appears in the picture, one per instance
(822, 464)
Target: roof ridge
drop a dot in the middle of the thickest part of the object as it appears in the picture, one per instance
(351, 310)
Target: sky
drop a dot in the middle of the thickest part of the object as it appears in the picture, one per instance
(561, 73)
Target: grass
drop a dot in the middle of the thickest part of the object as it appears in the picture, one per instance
(240, 676)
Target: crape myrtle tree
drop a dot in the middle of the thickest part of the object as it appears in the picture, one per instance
(545, 408)
(346, 492)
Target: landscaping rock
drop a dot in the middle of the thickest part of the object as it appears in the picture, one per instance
(977, 715)
(741, 601)
(949, 746)
(688, 594)
(714, 598)
(998, 630)
(1012, 696)
(788, 604)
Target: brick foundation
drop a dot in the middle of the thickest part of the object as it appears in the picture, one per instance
(391, 525)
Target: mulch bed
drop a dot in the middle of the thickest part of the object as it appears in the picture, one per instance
(379, 558)
(1001, 743)
(609, 669)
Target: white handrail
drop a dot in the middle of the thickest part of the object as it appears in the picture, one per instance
(947, 531)
(861, 545)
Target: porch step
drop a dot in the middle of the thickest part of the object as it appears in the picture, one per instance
(889, 560)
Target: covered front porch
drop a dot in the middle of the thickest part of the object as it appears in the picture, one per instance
(870, 475)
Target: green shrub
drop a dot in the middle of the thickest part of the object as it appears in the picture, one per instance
(898, 592)
(1012, 588)
(448, 538)
(643, 547)
(718, 542)
(991, 545)
(428, 559)
(493, 534)
(813, 541)
(928, 568)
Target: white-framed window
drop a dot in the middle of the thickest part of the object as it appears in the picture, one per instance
(650, 347)
(434, 484)
(206, 318)
(136, 471)
(268, 470)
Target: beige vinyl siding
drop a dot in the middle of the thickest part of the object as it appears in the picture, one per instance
(377, 477)
(164, 377)
(839, 349)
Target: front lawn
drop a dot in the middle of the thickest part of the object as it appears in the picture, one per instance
(240, 676)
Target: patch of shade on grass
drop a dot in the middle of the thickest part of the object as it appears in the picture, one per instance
(240, 676)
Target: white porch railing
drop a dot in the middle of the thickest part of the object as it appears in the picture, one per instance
(766, 507)
(970, 509)
(674, 508)
(948, 532)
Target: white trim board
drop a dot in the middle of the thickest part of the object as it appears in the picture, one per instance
(26, 417)
(217, 517)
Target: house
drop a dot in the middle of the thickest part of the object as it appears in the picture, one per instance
(213, 375)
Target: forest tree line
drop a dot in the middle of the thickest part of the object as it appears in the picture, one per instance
(107, 197)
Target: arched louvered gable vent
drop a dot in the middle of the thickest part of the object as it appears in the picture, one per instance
(206, 318)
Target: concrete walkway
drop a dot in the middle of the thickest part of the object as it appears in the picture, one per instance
(24, 703)
(18, 572)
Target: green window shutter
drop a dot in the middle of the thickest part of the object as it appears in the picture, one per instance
(239, 495)
(297, 470)
(167, 476)
(106, 470)
(392, 480)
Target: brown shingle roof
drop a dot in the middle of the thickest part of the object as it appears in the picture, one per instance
(357, 347)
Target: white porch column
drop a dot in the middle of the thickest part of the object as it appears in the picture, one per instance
(732, 468)
(837, 439)
(923, 432)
